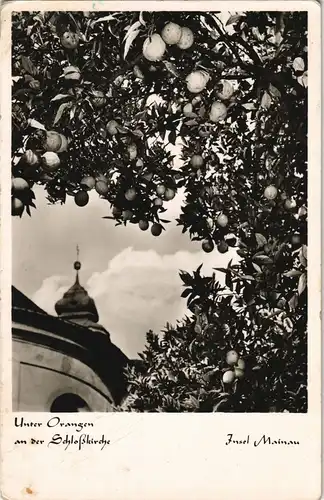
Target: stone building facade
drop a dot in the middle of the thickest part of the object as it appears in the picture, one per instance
(65, 363)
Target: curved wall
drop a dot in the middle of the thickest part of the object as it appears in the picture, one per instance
(41, 374)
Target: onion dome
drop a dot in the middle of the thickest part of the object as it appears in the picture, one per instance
(77, 306)
(76, 302)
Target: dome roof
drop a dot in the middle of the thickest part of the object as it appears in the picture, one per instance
(76, 303)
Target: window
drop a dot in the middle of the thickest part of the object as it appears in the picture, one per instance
(69, 403)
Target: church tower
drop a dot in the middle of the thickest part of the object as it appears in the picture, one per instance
(76, 305)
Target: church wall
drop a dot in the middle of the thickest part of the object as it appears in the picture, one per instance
(40, 375)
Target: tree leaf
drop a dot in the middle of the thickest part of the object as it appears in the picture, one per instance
(263, 259)
(173, 137)
(293, 302)
(233, 19)
(58, 97)
(171, 68)
(28, 65)
(249, 106)
(130, 37)
(198, 329)
(141, 20)
(111, 17)
(220, 269)
(298, 64)
(35, 124)
(303, 79)
(185, 277)
(185, 293)
(274, 91)
(302, 259)
(218, 405)
(302, 283)
(261, 240)
(293, 273)
(122, 130)
(256, 267)
(265, 101)
(138, 133)
(60, 112)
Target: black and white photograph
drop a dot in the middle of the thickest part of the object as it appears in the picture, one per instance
(159, 211)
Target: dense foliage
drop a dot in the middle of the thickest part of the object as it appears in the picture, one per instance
(234, 100)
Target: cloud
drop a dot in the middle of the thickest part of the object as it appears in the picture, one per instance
(139, 290)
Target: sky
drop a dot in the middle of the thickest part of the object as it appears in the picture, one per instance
(132, 276)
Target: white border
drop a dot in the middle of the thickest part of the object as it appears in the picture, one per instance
(159, 456)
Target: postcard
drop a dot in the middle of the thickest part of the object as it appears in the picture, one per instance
(161, 250)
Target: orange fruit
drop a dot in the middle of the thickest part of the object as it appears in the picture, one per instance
(196, 100)
(64, 144)
(207, 246)
(227, 90)
(188, 110)
(295, 239)
(53, 141)
(17, 207)
(30, 157)
(69, 40)
(81, 198)
(169, 194)
(218, 112)
(186, 38)
(18, 185)
(197, 81)
(160, 190)
(88, 182)
(270, 192)
(290, 204)
(50, 161)
(222, 247)
(171, 33)
(101, 177)
(132, 151)
(127, 214)
(154, 48)
(116, 212)
(156, 229)
(239, 373)
(197, 161)
(101, 187)
(143, 225)
(158, 202)
(72, 73)
(228, 377)
(112, 127)
(232, 358)
(222, 220)
(240, 364)
(209, 223)
(130, 194)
